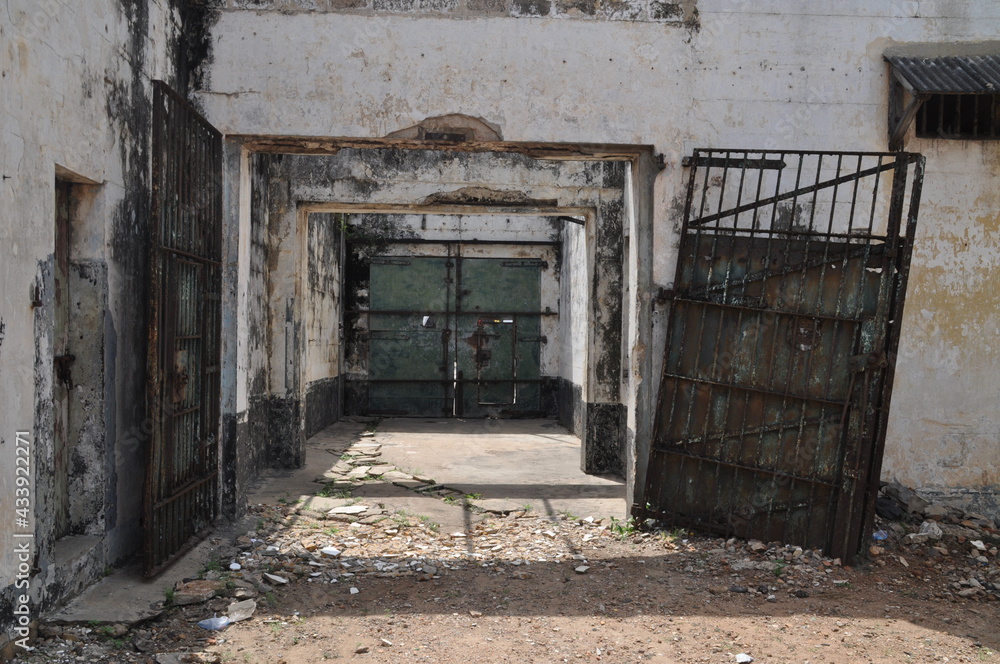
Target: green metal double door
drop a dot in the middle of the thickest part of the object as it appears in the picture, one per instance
(454, 337)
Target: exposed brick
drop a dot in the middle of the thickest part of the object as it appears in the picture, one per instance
(493, 7)
(576, 7)
(622, 10)
(666, 11)
(530, 7)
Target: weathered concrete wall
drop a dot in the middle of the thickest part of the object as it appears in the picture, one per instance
(323, 321)
(573, 328)
(780, 73)
(944, 429)
(75, 103)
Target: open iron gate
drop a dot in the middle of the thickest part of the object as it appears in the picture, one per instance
(782, 333)
(184, 350)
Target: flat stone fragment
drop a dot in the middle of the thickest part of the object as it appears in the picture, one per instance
(274, 578)
(381, 470)
(195, 592)
(359, 472)
(241, 610)
(349, 509)
(321, 504)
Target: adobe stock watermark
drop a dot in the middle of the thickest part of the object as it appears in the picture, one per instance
(23, 537)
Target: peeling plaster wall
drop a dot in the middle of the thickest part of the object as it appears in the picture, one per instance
(322, 321)
(777, 73)
(944, 427)
(75, 98)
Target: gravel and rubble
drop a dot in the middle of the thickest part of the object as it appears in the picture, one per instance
(335, 555)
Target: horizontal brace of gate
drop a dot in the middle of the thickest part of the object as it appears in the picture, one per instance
(516, 243)
(451, 312)
(767, 232)
(734, 162)
(188, 337)
(184, 490)
(865, 252)
(776, 312)
(753, 431)
(752, 469)
(195, 257)
(795, 193)
(449, 382)
(757, 390)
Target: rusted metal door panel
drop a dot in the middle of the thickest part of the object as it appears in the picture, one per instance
(781, 339)
(409, 364)
(498, 341)
(453, 336)
(184, 350)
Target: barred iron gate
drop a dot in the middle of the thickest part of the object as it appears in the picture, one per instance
(184, 350)
(782, 335)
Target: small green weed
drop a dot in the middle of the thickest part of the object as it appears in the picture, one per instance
(623, 528)
(779, 568)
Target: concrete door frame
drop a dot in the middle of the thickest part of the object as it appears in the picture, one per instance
(620, 387)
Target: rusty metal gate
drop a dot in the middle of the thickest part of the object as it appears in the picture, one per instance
(782, 333)
(184, 350)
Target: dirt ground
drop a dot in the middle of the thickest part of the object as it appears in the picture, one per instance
(603, 593)
(360, 561)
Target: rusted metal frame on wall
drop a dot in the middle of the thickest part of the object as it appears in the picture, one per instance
(762, 440)
(180, 497)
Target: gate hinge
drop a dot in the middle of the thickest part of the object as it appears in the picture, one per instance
(664, 295)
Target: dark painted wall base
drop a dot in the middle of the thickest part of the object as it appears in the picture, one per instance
(287, 449)
(323, 404)
(604, 447)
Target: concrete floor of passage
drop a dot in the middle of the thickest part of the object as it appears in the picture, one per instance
(509, 463)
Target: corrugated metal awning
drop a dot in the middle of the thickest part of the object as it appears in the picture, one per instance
(959, 68)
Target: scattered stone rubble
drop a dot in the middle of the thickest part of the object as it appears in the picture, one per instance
(343, 542)
(938, 544)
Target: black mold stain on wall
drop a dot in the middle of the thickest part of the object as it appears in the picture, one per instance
(195, 47)
(606, 423)
(323, 399)
(129, 110)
